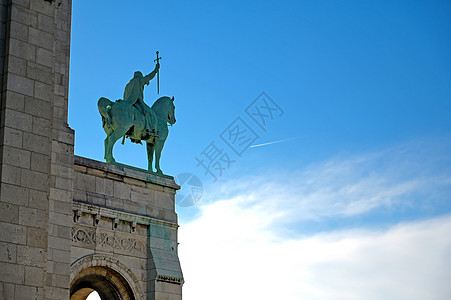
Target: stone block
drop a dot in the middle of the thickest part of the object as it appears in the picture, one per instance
(23, 15)
(142, 196)
(59, 243)
(12, 273)
(43, 91)
(163, 200)
(159, 231)
(40, 162)
(77, 252)
(60, 219)
(42, 7)
(63, 184)
(38, 199)
(62, 148)
(32, 217)
(30, 256)
(166, 214)
(10, 174)
(41, 126)
(96, 199)
(169, 288)
(40, 38)
(34, 179)
(163, 244)
(63, 231)
(22, 49)
(62, 196)
(165, 296)
(44, 57)
(39, 72)
(18, 31)
(34, 276)
(14, 101)
(121, 190)
(62, 281)
(46, 23)
(62, 207)
(8, 252)
(9, 213)
(61, 35)
(16, 157)
(18, 120)
(36, 237)
(14, 194)
(20, 84)
(7, 291)
(12, 137)
(56, 293)
(37, 108)
(61, 268)
(17, 65)
(62, 171)
(67, 137)
(60, 255)
(104, 186)
(114, 203)
(63, 159)
(28, 292)
(85, 182)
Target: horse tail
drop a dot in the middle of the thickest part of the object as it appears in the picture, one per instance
(104, 106)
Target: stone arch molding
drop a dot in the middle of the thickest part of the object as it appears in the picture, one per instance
(122, 280)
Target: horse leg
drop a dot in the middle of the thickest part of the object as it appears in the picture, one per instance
(108, 151)
(150, 151)
(158, 148)
(110, 141)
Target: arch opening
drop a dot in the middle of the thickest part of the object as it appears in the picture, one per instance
(108, 283)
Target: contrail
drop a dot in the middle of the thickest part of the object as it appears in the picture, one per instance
(275, 142)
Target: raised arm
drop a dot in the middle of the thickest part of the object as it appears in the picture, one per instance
(152, 74)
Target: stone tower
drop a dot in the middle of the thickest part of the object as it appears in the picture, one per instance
(70, 225)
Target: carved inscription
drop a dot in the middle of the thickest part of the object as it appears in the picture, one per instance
(107, 240)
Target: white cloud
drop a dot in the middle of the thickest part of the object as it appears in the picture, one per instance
(236, 250)
(230, 254)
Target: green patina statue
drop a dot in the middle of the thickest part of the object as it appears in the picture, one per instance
(133, 118)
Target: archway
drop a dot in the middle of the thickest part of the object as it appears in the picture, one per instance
(106, 275)
(108, 283)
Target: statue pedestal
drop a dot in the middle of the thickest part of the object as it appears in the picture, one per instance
(125, 223)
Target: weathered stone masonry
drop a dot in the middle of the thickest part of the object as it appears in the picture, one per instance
(70, 225)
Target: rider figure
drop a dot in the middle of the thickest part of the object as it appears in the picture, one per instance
(134, 95)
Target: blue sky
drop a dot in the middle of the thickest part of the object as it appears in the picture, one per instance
(363, 97)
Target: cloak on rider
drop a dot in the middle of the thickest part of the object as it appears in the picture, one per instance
(134, 95)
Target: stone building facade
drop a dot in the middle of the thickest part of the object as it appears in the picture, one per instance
(70, 225)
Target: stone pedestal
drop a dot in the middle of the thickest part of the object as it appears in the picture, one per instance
(124, 222)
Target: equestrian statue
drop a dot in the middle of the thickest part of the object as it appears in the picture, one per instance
(132, 118)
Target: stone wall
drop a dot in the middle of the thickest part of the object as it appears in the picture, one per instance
(70, 225)
(36, 151)
(3, 18)
(128, 215)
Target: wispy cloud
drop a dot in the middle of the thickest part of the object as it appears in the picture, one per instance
(239, 248)
(270, 143)
(406, 177)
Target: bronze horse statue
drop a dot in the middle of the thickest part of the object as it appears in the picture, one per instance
(121, 120)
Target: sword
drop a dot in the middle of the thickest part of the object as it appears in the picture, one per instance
(158, 74)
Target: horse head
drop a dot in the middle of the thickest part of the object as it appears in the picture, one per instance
(164, 108)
